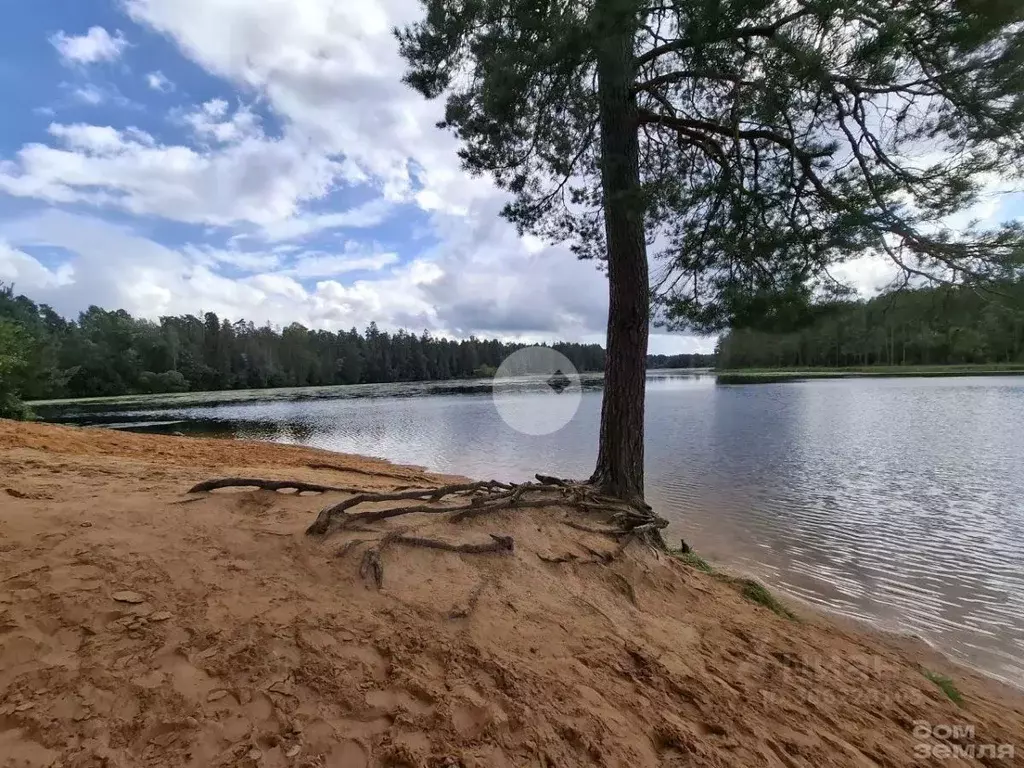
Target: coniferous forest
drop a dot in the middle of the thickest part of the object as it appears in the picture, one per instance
(929, 326)
(103, 353)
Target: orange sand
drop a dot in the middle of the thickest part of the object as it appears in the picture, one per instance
(138, 630)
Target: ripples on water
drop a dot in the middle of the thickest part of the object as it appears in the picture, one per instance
(896, 500)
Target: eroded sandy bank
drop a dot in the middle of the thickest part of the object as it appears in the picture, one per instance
(139, 626)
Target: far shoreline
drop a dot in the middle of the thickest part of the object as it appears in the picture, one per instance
(725, 376)
(780, 375)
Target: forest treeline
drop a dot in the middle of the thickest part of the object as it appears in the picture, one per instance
(685, 360)
(102, 353)
(928, 326)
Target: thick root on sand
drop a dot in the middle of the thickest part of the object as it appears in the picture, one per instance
(372, 566)
(624, 521)
(298, 486)
(469, 500)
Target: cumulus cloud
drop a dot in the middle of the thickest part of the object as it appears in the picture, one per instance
(158, 81)
(248, 261)
(114, 266)
(252, 180)
(117, 267)
(330, 72)
(364, 215)
(89, 94)
(457, 289)
(94, 95)
(333, 72)
(327, 78)
(29, 273)
(212, 121)
(94, 46)
(321, 264)
(491, 282)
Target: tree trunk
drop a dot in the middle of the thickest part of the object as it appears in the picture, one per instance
(620, 459)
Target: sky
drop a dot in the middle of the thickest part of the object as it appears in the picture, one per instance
(263, 160)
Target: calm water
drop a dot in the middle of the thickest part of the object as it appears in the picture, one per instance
(896, 500)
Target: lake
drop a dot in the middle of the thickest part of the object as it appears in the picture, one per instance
(900, 501)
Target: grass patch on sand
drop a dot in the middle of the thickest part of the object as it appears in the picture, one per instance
(693, 560)
(946, 684)
(750, 589)
(756, 592)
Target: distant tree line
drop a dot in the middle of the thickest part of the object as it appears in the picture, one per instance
(103, 353)
(686, 360)
(929, 326)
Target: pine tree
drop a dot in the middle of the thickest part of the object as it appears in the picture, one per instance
(754, 142)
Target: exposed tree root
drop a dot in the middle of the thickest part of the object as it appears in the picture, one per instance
(464, 611)
(629, 539)
(598, 556)
(339, 512)
(268, 485)
(625, 521)
(372, 566)
(408, 476)
(498, 544)
(616, 532)
(484, 497)
(568, 557)
(348, 546)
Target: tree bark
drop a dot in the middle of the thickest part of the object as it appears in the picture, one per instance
(620, 459)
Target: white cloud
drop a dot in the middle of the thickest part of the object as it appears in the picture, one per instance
(365, 215)
(254, 180)
(115, 267)
(93, 139)
(492, 283)
(94, 46)
(249, 261)
(329, 74)
(332, 71)
(89, 94)
(158, 81)
(112, 266)
(95, 94)
(320, 264)
(456, 289)
(866, 274)
(291, 261)
(211, 121)
(28, 273)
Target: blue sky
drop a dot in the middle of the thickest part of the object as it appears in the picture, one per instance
(263, 160)
(257, 160)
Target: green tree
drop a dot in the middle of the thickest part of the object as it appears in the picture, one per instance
(13, 365)
(926, 326)
(112, 353)
(756, 141)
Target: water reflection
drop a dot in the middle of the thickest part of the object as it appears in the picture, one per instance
(897, 500)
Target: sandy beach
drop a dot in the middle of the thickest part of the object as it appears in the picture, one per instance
(141, 625)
